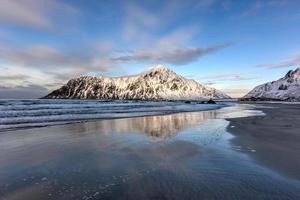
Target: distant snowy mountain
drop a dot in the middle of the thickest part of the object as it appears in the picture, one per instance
(158, 83)
(284, 89)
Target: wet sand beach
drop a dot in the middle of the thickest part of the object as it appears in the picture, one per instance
(274, 136)
(190, 155)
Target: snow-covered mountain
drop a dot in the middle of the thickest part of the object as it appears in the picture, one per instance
(284, 89)
(158, 83)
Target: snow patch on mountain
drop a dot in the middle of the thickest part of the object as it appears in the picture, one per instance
(158, 83)
(284, 89)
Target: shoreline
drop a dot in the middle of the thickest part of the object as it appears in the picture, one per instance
(144, 110)
(164, 155)
(274, 136)
(275, 133)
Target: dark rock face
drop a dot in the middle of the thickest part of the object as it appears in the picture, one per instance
(211, 101)
(282, 87)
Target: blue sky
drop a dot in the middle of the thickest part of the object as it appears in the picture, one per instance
(230, 45)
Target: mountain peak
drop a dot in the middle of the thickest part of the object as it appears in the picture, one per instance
(294, 74)
(286, 88)
(158, 68)
(156, 83)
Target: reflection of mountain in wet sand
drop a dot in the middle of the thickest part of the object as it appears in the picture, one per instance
(155, 127)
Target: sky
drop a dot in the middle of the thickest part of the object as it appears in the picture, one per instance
(231, 45)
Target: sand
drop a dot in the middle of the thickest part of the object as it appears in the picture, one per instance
(274, 138)
(189, 155)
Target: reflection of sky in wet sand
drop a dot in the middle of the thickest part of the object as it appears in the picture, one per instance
(179, 156)
(154, 127)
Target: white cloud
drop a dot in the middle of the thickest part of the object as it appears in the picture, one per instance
(33, 13)
(138, 21)
(142, 25)
(46, 57)
(180, 37)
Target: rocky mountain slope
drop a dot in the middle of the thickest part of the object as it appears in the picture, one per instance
(284, 89)
(158, 83)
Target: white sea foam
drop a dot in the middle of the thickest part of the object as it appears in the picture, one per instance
(32, 113)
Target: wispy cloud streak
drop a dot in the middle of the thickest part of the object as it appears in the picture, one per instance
(174, 56)
(226, 77)
(291, 62)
